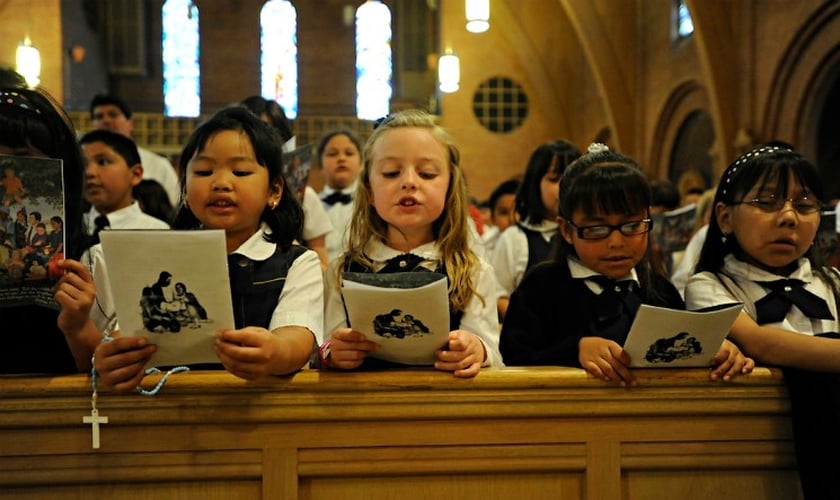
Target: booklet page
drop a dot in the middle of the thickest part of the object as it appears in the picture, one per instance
(407, 314)
(671, 338)
(171, 287)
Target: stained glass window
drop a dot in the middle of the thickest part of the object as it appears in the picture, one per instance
(181, 72)
(685, 26)
(278, 46)
(373, 60)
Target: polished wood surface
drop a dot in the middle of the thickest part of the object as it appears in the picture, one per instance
(508, 433)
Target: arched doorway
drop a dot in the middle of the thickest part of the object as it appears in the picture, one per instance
(690, 158)
(828, 143)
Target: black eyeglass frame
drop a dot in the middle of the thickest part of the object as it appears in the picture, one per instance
(628, 228)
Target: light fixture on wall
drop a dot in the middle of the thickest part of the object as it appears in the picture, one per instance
(478, 15)
(449, 72)
(28, 62)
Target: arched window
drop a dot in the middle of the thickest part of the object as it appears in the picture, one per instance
(683, 25)
(373, 60)
(181, 72)
(278, 46)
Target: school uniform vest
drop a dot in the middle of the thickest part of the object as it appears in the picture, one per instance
(538, 248)
(256, 285)
(544, 329)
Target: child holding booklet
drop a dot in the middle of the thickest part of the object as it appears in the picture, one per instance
(231, 170)
(49, 340)
(600, 274)
(411, 214)
(761, 249)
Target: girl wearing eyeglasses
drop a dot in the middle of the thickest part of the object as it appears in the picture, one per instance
(761, 249)
(598, 277)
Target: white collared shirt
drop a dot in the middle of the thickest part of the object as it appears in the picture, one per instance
(510, 255)
(130, 217)
(737, 283)
(580, 271)
(316, 222)
(103, 313)
(339, 215)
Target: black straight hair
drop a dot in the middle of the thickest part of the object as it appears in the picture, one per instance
(45, 125)
(122, 145)
(606, 182)
(286, 219)
(552, 156)
(761, 167)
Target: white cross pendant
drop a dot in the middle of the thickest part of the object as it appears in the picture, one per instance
(94, 420)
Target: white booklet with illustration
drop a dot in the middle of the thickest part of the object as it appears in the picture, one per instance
(672, 338)
(171, 287)
(407, 314)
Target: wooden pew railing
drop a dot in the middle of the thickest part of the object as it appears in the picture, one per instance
(508, 433)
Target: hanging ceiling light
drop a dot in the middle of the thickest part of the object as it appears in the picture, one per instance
(478, 15)
(449, 72)
(28, 62)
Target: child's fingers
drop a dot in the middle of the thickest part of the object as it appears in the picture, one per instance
(470, 371)
(347, 359)
(118, 345)
(338, 345)
(126, 378)
(611, 370)
(77, 268)
(622, 374)
(239, 367)
(348, 335)
(249, 336)
(593, 369)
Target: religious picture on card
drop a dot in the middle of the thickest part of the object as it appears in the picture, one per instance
(296, 166)
(171, 287)
(31, 229)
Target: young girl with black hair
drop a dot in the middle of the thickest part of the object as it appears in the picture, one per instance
(231, 170)
(529, 241)
(57, 339)
(761, 249)
(600, 273)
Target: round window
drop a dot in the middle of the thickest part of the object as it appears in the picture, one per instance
(500, 104)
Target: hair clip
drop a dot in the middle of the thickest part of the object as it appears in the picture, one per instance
(380, 121)
(13, 98)
(597, 147)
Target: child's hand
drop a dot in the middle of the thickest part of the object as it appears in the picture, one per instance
(75, 293)
(348, 348)
(120, 363)
(605, 359)
(730, 362)
(248, 353)
(463, 355)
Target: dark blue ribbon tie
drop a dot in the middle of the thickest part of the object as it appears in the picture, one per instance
(615, 307)
(774, 306)
(406, 262)
(337, 197)
(99, 223)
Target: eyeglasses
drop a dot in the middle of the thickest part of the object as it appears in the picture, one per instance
(770, 204)
(604, 231)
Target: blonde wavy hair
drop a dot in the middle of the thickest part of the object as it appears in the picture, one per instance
(451, 230)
